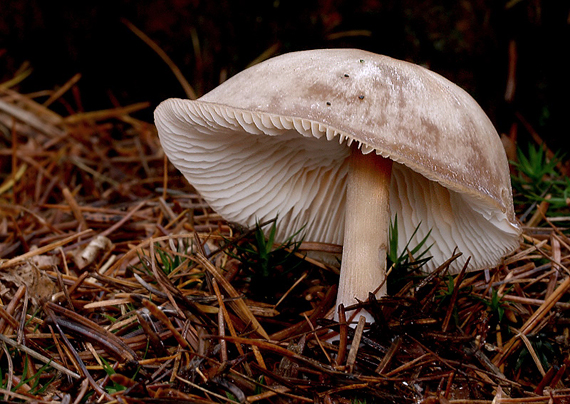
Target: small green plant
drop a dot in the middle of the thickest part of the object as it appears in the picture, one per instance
(444, 294)
(535, 166)
(231, 397)
(259, 387)
(537, 176)
(408, 262)
(171, 261)
(544, 350)
(168, 261)
(266, 262)
(34, 381)
(115, 387)
(496, 305)
(36, 387)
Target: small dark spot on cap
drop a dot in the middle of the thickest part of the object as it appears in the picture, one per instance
(328, 103)
(345, 75)
(360, 97)
(361, 60)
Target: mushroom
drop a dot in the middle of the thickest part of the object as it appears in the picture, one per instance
(340, 141)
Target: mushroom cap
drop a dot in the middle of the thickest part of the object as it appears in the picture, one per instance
(274, 139)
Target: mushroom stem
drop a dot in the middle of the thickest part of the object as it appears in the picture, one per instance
(366, 228)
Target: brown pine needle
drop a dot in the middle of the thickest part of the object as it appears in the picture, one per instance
(155, 311)
(31, 119)
(62, 90)
(351, 359)
(104, 114)
(158, 50)
(242, 310)
(42, 250)
(24, 73)
(533, 321)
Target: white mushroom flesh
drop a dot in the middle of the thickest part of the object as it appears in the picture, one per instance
(271, 169)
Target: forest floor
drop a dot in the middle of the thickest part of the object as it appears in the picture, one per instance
(119, 284)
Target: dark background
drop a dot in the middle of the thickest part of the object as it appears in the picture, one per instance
(466, 41)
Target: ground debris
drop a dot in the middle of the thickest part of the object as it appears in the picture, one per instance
(119, 284)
